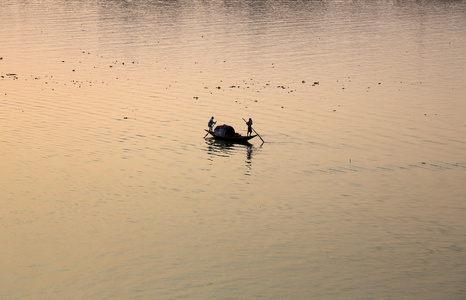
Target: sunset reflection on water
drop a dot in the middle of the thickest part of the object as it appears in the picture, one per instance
(110, 188)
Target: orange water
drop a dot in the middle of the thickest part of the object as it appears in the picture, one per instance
(109, 189)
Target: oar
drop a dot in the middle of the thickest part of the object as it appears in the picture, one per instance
(255, 131)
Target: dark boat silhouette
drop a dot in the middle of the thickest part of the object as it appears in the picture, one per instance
(227, 133)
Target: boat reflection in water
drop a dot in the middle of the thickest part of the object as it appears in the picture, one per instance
(222, 148)
(226, 148)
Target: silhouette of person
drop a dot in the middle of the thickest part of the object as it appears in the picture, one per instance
(249, 123)
(211, 123)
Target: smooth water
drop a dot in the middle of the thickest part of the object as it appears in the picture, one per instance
(109, 190)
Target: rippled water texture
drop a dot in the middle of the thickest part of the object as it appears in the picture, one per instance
(108, 189)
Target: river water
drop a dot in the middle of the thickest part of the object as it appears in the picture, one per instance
(109, 189)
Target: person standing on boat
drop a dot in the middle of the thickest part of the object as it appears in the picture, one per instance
(211, 123)
(249, 123)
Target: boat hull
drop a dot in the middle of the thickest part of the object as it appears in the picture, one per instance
(233, 139)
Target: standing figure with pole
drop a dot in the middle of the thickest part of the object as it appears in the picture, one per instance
(249, 123)
(211, 123)
(250, 129)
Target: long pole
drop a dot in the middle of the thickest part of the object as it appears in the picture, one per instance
(255, 131)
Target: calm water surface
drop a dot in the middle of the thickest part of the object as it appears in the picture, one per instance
(109, 190)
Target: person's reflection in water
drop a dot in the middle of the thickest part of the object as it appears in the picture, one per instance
(249, 152)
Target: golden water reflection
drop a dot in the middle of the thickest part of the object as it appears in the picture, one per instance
(109, 189)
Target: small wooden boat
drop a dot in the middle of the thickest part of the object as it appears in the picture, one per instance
(227, 133)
